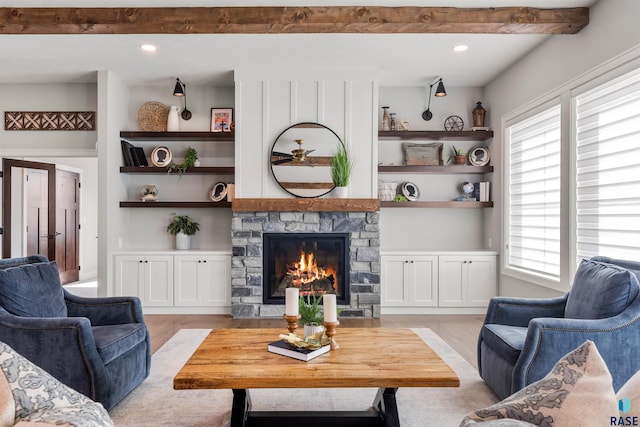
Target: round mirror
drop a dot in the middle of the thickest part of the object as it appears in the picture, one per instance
(301, 159)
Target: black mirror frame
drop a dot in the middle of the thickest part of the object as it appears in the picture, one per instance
(273, 147)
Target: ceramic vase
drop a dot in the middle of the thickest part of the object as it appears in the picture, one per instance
(340, 192)
(173, 119)
(312, 328)
(183, 241)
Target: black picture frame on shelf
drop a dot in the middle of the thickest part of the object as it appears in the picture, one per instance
(127, 156)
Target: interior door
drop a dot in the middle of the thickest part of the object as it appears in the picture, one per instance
(37, 230)
(67, 225)
(12, 215)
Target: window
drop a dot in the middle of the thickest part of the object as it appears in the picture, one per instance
(533, 181)
(608, 169)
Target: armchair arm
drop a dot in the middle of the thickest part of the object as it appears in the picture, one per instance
(105, 311)
(519, 311)
(63, 346)
(549, 339)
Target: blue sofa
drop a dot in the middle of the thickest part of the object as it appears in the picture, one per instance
(522, 339)
(98, 346)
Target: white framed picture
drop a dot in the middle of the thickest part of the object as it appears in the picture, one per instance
(410, 191)
(218, 192)
(479, 156)
(161, 156)
(221, 119)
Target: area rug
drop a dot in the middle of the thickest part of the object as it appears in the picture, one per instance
(156, 403)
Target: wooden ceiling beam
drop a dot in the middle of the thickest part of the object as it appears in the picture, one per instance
(273, 20)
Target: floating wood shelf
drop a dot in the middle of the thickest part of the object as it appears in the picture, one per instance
(174, 204)
(306, 205)
(177, 136)
(436, 204)
(452, 169)
(201, 170)
(469, 135)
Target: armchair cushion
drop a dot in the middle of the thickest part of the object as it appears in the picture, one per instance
(112, 341)
(600, 290)
(32, 290)
(505, 340)
(577, 392)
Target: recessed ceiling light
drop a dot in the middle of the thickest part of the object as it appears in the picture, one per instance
(148, 48)
(460, 48)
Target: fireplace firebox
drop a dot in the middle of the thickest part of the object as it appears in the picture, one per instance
(315, 263)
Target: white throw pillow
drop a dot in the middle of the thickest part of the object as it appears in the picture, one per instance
(577, 392)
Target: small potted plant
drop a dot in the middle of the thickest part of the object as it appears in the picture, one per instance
(311, 314)
(190, 160)
(183, 227)
(341, 167)
(459, 158)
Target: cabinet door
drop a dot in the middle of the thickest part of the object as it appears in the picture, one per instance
(422, 281)
(158, 283)
(481, 280)
(129, 275)
(393, 289)
(451, 281)
(203, 280)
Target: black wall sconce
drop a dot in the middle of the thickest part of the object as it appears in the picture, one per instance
(181, 90)
(440, 91)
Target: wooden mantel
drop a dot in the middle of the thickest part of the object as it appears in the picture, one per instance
(305, 205)
(293, 19)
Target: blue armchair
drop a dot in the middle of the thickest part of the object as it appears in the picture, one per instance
(98, 346)
(522, 339)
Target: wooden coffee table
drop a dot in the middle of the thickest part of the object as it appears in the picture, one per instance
(385, 358)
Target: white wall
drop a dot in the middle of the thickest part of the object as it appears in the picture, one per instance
(47, 97)
(269, 101)
(429, 228)
(612, 31)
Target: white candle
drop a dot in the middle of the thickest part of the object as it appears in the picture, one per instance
(291, 300)
(330, 308)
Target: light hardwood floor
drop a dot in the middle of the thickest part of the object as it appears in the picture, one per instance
(459, 331)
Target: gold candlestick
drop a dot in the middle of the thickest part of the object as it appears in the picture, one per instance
(330, 328)
(292, 322)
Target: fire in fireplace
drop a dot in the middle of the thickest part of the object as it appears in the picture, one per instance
(315, 263)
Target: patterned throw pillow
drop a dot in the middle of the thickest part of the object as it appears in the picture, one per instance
(577, 392)
(40, 398)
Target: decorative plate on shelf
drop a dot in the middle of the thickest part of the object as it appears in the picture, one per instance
(218, 191)
(161, 156)
(410, 191)
(479, 156)
(152, 116)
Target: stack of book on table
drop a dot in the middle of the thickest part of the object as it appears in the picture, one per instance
(285, 349)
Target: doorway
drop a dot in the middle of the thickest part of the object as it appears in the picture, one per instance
(50, 217)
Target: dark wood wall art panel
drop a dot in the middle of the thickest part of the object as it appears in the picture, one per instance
(49, 120)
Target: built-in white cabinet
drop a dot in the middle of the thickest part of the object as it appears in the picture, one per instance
(448, 282)
(147, 276)
(202, 279)
(469, 280)
(176, 282)
(413, 280)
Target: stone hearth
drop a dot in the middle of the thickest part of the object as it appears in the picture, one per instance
(364, 253)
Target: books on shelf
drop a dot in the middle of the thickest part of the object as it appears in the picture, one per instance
(481, 191)
(285, 349)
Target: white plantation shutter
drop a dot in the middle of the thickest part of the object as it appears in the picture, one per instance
(534, 194)
(608, 169)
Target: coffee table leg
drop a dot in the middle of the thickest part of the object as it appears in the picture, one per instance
(385, 402)
(241, 407)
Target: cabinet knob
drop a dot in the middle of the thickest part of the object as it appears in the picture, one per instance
(140, 261)
(411, 261)
(470, 262)
(464, 262)
(146, 261)
(204, 260)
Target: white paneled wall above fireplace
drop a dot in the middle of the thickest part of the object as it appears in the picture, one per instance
(269, 101)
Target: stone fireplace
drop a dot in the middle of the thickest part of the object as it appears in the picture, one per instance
(323, 233)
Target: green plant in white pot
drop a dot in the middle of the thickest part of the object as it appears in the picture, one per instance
(341, 168)
(183, 227)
